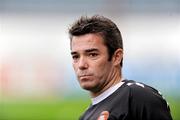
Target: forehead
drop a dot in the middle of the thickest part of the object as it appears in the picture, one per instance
(87, 41)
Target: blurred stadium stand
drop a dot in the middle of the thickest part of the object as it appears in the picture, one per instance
(34, 46)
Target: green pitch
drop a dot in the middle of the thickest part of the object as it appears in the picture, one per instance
(42, 110)
(67, 109)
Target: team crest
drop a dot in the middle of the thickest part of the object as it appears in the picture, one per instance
(104, 115)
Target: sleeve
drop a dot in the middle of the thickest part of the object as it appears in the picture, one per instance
(147, 104)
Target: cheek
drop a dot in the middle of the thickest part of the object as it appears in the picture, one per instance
(102, 68)
(74, 67)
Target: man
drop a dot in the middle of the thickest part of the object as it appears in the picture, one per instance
(97, 53)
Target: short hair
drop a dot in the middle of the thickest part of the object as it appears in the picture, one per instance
(102, 26)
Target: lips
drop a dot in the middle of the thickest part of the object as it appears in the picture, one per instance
(84, 74)
(84, 77)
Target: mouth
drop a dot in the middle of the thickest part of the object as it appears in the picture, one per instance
(85, 77)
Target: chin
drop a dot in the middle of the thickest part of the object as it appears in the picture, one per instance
(87, 87)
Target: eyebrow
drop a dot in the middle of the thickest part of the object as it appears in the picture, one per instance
(91, 50)
(87, 51)
(72, 53)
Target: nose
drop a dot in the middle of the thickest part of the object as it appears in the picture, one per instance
(82, 64)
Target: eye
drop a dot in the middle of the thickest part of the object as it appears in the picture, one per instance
(75, 57)
(93, 54)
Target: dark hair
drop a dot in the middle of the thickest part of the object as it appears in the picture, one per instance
(102, 26)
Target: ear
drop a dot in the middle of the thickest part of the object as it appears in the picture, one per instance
(117, 57)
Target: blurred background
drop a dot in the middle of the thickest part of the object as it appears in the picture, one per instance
(37, 81)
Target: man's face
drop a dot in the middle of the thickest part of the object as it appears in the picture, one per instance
(90, 62)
